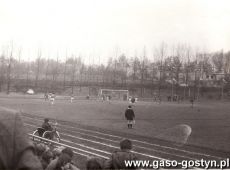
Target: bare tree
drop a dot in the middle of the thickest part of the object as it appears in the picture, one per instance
(64, 77)
(27, 74)
(135, 66)
(73, 62)
(227, 63)
(177, 65)
(9, 69)
(38, 68)
(162, 55)
(143, 69)
(196, 79)
(218, 61)
(81, 71)
(187, 69)
(2, 71)
(122, 65)
(54, 64)
(18, 68)
(46, 74)
(115, 71)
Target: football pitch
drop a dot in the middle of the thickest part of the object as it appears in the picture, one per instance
(209, 122)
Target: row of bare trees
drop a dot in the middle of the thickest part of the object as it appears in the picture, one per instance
(180, 66)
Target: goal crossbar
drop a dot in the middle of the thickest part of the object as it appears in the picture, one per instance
(113, 92)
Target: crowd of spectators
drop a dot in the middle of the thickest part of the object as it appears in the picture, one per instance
(61, 158)
(17, 152)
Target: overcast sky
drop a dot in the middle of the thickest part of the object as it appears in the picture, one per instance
(94, 29)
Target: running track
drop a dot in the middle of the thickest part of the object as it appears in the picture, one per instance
(89, 142)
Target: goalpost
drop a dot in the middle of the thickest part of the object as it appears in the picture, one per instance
(112, 94)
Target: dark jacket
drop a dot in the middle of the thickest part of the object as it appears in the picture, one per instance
(129, 114)
(47, 126)
(118, 158)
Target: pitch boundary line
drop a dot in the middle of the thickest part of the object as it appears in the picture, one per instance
(98, 150)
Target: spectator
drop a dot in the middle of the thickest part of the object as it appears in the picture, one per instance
(94, 163)
(40, 148)
(69, 166)
(16, 150)
(63, 161)
(68, 151)
(46, 158)
(57, 151)
(130, 117)
(118, 158)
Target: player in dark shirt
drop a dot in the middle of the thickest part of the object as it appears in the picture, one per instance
(130, 117)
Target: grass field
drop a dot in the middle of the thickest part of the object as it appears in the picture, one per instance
(210, 122)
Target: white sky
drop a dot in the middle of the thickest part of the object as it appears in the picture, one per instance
(95, 28)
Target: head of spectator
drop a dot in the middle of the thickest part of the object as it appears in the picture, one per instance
(39, 149)
(129, 107)
(63, 160)
(68, 151)
(125, 144)
(47, 156)
(118, 158)
(94, 163)
(57, 151)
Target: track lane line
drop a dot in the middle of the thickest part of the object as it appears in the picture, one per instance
(143, 142)
(146, 155)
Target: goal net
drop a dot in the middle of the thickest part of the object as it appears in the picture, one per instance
(111, 94)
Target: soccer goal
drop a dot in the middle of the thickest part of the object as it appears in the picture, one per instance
(111, 94)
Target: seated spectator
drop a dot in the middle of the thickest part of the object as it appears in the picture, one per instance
(118, 158)
(94, 163)
(64, 161)
(57, 151)
(16, 150)
(46, 158)
(40, 148)
(69, 166)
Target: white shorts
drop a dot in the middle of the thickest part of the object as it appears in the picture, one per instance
(131, 121)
